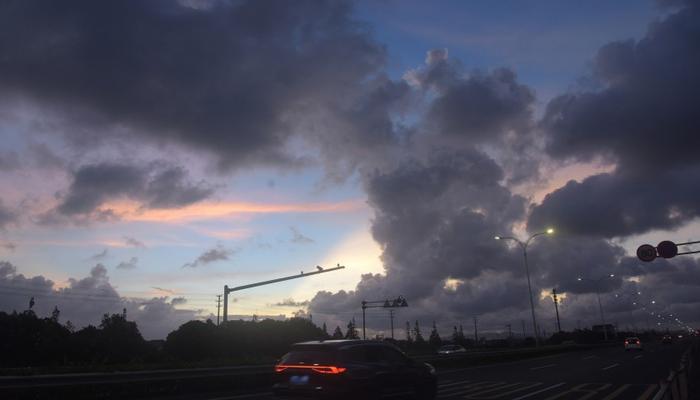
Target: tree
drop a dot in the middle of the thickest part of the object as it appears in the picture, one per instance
(434, 338)
(55, 314)
(417, 337)
(325, 330)
(338, 333)
(351, 333)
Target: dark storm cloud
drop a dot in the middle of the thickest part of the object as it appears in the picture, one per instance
(218, 253)
(84, 301)
(178, 301)
(132, 263)
(645, 120)
(156, 186)
(435, 219)
(229, 78)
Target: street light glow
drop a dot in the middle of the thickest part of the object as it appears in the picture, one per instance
(612, 275)
(550, 231)
(497, 237)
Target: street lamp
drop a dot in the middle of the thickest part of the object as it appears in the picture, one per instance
(524, 245)
(600, 304)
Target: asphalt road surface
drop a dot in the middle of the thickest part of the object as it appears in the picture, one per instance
(601, 374)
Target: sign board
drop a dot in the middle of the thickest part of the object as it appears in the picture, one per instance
(646, 252)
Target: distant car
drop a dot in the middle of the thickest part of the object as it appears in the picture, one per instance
(451, 349)
(633, 343)
(355, 369)
(667, 339)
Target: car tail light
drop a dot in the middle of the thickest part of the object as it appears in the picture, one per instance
(321, 369)
(626, 342)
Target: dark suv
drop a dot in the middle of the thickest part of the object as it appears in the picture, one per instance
(352, 368)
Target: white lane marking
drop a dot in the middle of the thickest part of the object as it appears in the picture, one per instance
(638, 357)
(519, 389)
(448, 384)
(616, 393)
(493, 389)
(540, 391)
(544, 366)
(463, 389)
(611, 366)
(647, 393)
(589, 357)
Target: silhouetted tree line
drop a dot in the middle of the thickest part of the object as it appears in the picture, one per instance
(27, 340)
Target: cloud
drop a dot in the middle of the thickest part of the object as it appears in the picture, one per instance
(132, 242)
(8, 245)
(84, 301)
(9, 161)
(218, 253)
(178, 301)
(154, 186)
(7, 216)
(230, 78)
(643, 120)
(131, 264)
(298, 237)
(99, 256)
(291, 303)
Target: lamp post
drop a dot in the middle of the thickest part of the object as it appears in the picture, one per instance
(600, 304)
(524, 245)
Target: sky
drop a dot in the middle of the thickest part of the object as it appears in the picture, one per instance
(153, 152)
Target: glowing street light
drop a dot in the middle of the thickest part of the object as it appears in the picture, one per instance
(524, 245)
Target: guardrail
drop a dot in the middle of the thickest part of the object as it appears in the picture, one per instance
(677, 385)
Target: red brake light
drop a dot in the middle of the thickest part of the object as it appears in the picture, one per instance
(321, 369)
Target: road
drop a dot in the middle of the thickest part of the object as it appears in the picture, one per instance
(600, 374)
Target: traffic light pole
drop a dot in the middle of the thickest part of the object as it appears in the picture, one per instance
(228, 290)
(397, 302)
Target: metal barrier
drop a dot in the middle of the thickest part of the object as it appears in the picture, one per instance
(676, 386)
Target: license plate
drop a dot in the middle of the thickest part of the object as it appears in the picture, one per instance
(298, 379)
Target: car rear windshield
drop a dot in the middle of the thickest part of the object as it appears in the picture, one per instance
(309, 356)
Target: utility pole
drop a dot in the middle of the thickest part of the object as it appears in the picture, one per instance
(391, 317)
(522, 321)
(510, 332)
(218, 308)
(303, 274)
(556, 308)
(476, 333)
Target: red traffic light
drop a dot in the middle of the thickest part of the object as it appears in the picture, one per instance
(646, 252)
(667, 249)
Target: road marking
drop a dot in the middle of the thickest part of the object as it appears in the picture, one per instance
(519, 389)
(540, 391)
(493, 389)
(589, 357)
(616, 393)
(638, 357)
(544, 366)
(647, 393)
(452, 384)
(611, 366)
(590, 392)
(451, 391)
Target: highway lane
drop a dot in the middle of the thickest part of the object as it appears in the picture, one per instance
(601, 374)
